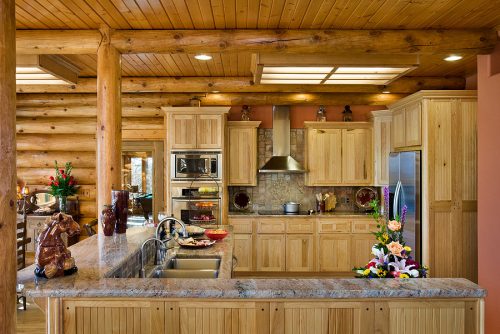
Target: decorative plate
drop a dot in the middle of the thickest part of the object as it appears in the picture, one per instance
(241, 200)
(364, 196)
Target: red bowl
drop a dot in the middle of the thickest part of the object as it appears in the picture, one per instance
(216, 236)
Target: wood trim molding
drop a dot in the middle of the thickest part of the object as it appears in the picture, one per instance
(465, 41)
(243, 124)
(436, 94)
(405, 85)
(338, 125)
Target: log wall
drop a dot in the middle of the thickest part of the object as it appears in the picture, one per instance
(66, 131)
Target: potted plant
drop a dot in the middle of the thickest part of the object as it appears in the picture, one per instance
(63, 185)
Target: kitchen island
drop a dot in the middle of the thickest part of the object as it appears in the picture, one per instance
(93, 301)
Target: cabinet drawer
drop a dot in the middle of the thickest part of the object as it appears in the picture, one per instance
(241, 225)
(331, 226)
(364, 226)
(300, 226)
(271, 226)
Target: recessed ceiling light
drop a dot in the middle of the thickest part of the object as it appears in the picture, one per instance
(215, 92)
(453, 58)
(386, 92)
(202, 56)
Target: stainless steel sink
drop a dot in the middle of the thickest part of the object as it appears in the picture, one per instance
(188, 267)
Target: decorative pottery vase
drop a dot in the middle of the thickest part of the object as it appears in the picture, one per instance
(108, 220)
(63, 204)
(120, 208)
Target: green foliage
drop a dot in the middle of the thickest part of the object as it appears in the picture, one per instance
(63, 184)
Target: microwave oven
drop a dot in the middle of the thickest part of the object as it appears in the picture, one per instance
(196, 166)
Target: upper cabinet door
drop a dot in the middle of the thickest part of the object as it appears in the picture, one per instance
(243, 156)
(324, 157)
(398, 128)
(209, 131)
(182, 130)
(413, 117)
(356, 156)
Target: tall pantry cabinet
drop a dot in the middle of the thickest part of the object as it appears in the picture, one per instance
(442, 124)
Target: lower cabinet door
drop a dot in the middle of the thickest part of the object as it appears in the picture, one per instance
(299, 253)
(362, 249)
(270, 250)
(243, 248)
(334, 252)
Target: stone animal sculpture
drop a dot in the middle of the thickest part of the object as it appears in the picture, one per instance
(52, 258)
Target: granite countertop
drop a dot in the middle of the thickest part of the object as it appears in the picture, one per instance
(98, 257)
(346, 214)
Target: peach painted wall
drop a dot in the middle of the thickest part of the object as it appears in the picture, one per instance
(488, 184)
(299, 114)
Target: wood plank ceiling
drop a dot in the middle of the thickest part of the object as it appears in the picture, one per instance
(253, 14)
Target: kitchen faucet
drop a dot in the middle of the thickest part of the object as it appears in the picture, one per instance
(162, 249)
(166, 221)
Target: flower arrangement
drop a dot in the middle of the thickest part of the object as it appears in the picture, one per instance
(392, 257)
(63, 184)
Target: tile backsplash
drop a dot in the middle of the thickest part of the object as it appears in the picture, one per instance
(273, 189)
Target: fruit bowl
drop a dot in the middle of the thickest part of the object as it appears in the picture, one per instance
(216, 234)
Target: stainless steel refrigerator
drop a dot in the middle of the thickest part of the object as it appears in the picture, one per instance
(405, 189)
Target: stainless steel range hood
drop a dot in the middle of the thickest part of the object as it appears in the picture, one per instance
(281, 161)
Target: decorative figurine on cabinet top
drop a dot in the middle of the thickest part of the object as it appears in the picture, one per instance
(52, 258)
(321, 114)
(347, 114)
(245, 113)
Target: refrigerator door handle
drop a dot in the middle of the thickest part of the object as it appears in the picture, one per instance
(396, 200)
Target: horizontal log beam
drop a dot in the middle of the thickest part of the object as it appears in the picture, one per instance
(87, 125)
(406, 85)
(45, 159)
(289, 41)
(64, 142)
(85, 192)
(43, 101)
(57, 41)
(41, 175)
(84, 111)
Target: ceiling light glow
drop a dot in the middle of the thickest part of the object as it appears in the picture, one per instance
(453, 58)
(203, 56)
(293, 76)
(290, 82)
(296, 69)
(375, 70)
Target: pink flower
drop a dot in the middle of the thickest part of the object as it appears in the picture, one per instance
(394, 225)
(51, 178)
(395, 248)
(64, 176)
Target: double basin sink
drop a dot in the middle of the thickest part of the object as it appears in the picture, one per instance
(188, 267)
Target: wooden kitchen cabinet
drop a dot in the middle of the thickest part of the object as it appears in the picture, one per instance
(243, 251)
(195, 131)
(382, 146)
(182, 131)
(243, 153)
(324, 157)
(362, 249)
(338, 153)
(334, 252)
(209, 131)
(356, 156)
(407, 125)
(270, 252)
(300, 253)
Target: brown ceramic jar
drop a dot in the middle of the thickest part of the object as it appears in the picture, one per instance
(108, 220)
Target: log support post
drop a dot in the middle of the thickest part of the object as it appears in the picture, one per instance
(8, 258)
(109, 114)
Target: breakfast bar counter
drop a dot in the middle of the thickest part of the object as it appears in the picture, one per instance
(93, 298)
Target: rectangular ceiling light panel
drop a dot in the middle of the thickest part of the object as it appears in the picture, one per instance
(296, 69)
(293, 76)
(290, 82)
(395, 70)
(44, 70)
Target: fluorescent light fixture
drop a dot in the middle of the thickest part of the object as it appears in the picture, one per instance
(331, 69)
(290, 82)
(355, 82)
(203, 56)
(293, 76)
(359, 76)
(395, 70)
(453, 58)
(44, 70)
(296, 69)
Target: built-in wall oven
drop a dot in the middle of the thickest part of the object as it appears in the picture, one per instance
(192, 207)
(192, 165)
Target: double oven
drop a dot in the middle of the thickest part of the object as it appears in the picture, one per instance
(196, 186)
